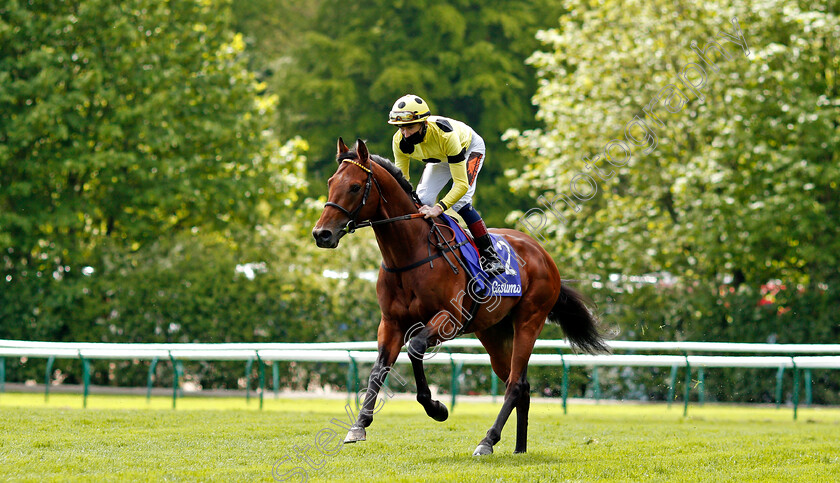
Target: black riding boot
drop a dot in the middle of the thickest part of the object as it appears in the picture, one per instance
(490, 262)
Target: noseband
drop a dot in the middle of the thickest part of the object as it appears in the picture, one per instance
(351, 224)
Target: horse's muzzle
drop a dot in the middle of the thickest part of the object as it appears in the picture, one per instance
(325, 238)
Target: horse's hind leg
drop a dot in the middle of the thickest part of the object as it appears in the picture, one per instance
(498, 341)
(494, 434)
(522, 407)
(517, 393)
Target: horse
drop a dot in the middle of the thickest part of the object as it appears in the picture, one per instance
(411, 288)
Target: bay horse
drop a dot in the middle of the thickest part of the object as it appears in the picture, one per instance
(413, 289)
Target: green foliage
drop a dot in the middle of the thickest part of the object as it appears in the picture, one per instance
(742, 184)
(349, 63)
(775, 313)
(135, 145)
(263, 287)
(260, 285)
(701, 313)
(140, 142)
(270, 28)
(739, 191)
(123, 121)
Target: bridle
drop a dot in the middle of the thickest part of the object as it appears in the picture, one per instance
(352, 225)
(443, 248)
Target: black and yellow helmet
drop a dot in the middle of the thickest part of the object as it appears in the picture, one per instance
(408, 109)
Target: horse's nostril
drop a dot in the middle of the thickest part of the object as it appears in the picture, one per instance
(322, 235)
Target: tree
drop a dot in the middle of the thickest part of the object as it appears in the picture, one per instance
(739, 185)
(123, 124)
(350, 62)
(124, 121)
(271, 29)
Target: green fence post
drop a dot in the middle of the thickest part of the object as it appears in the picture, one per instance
(262, 378)
(2, 374)
(174, 379)
(248, 365)
(780, 374)
(795, 388)
(180, 365)
(453, 383)
(349, 377)
(597, 384)
(456, 372)
(687, 385)
(275, 378)
(352, 379)
(152, 368)
(565, 387)
(85, 377)
(701, 386)
(47, 378)
(494, 384)
(672, 390)
(808, 392)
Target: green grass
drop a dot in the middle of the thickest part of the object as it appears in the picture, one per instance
(222, 439)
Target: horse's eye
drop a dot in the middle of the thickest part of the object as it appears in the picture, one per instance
(355, 188)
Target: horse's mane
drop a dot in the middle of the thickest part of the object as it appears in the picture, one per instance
(390, 167)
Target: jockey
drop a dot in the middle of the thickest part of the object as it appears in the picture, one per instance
(451, 150)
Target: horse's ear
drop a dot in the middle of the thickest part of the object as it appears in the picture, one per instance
(342, 148)
(362, 150)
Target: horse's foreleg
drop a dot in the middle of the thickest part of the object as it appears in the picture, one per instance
(390, 341)
(417, 347)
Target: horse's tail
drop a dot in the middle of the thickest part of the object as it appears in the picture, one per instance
(574, 312)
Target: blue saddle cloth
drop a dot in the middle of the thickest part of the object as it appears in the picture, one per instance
(507, 284)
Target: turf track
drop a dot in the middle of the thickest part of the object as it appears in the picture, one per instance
(222, 439)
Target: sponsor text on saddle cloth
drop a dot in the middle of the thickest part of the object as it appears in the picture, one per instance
(507, 284)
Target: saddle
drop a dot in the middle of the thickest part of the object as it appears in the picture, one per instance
(507, 284)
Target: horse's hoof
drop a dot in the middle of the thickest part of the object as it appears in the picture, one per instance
(356, 433)
(438, 411)
(482, 450)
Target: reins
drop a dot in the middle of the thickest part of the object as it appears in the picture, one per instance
(441, 253)
(365, 224)
(443, 245)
